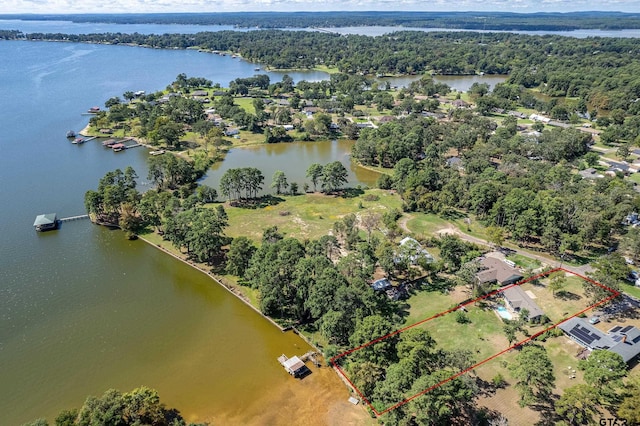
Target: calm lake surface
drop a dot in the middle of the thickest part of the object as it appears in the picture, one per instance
(82, 309)
(68, 27)
(293, 159)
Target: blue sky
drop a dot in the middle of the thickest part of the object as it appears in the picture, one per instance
(125, 6)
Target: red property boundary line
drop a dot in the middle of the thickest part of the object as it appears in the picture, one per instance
(614, 294)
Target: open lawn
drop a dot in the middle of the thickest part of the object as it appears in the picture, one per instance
(524, 262)
(328, 70)
(483, 335)
(634, 177)
(560, 350)
(568, 302)
(631, 290)
(424, 304)
(246, 104)
(428, 224)
(248, 138)
(305, 216)
(425, 224)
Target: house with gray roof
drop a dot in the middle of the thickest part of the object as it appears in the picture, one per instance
(625, 341)
(496, 270)
(518, 300)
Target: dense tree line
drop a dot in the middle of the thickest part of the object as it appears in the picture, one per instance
(526, 186)
(467, 20)
(602, 71)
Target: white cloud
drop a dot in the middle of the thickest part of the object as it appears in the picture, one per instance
(125, 6)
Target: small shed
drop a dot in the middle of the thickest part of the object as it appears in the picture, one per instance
(45, 222)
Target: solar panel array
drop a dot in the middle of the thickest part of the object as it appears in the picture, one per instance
(584, 334)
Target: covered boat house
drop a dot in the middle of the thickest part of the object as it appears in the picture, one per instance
(45, 222)
(294, 365)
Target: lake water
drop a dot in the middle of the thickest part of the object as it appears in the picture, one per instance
(381, 30)
(293, 159)
(82, 309)
(68, 27)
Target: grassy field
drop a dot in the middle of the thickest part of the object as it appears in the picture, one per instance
(424, 224)
(571, 301)
(524, 262)
(246, 104)
(631, 290)
(329, 70)
(428, 224)
(634, 177)
(303, 216)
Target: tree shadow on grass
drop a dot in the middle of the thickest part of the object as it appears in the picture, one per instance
(349, 192)
(485, 389)
(452, 214)
(547, 411)
(567, 295)
(257, 203)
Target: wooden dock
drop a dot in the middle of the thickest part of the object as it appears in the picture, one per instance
(70, 218)
(295, 365)
(311, 356)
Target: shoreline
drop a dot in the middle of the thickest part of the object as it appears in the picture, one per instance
(231, 289)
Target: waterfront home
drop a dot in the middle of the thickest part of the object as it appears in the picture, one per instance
(45, 222)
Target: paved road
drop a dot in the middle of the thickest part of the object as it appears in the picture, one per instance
(546, 259)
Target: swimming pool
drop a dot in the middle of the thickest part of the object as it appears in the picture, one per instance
(502, 311)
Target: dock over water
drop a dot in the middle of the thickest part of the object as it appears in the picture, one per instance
(70, 218)
(295, 365)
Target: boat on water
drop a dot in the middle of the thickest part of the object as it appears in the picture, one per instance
(109, 143)
(256, 69)
(94, 110)
(118, 147)
(77, 141)
(71, 134)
